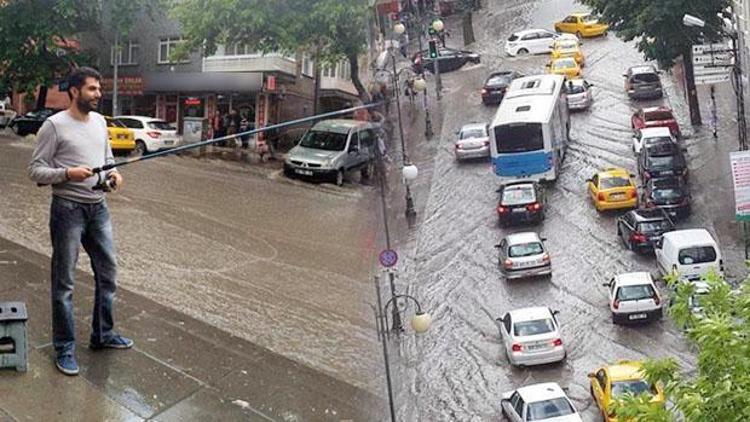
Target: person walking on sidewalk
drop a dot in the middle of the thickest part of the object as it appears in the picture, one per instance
(69, 145)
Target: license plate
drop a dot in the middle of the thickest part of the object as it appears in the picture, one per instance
(525, 264)
(617, 196)
(304, 172)
(668, 172)
(168, 142)
(519, 210)
(638, 316)
(673, 213)
(537, 346)
(122, 136)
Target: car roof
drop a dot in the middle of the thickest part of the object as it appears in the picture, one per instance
(614, 172)
(634, 278)
(540, 392)
(650, 132)
(625, 370)
(527, 31)
(338, 125)
(522, 237)
(469, 126)
(530, 314)
(517, 183)
(580, 14)
(656, 108)
(691, 236)
(648, 214)
(642, 68)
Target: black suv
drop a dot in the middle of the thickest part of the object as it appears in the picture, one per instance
(668, 193)
(521, 202)
(662, 160)
(496, 84)
(641, 229)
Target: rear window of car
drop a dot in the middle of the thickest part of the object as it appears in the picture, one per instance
(613, 182)
(563, 63)
(160, 125)
(635, 292)
(499, 80)
(667, 161)
(697, 255)
(534, 327)
(574, 89)
(525, 249)
(657, 140)
(516, 195)
(473, 133)
(645, 77)
(551, 408)
(673, 192)
(653, 226)
(659, 115)
(634, 387)
(566, 45)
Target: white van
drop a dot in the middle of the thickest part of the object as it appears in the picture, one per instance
(692, 253)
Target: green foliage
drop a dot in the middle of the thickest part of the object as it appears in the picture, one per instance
(657, 25)
(718, 389)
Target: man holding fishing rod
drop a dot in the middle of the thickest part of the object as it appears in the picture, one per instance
(70, 146)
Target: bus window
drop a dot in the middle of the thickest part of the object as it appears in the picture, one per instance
(519, 137)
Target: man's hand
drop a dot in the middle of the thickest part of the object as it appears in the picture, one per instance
(117, 178)
(78, 174)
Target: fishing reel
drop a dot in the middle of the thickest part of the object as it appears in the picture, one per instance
(105, 184)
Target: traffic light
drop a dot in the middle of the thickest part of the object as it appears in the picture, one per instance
(433, 49)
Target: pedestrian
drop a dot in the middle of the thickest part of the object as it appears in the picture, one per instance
(442, 34)
(232, 123)
(403, 44)
(220, 130)
(69, 145)
(244, 127)
(714, 116)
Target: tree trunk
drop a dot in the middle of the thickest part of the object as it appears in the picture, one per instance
(316, 91)
(354, 70)
(468, 28)
(692, 94)
(41, 98)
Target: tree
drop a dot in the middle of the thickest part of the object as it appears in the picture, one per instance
(718, 390)
(328, 30)
(660, 34)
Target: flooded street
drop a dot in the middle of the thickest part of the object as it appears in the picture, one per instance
(458, 370)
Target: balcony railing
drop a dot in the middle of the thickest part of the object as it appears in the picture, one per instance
(250, 63)
(327, 82)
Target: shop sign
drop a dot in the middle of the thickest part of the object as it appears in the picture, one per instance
(126, 85)
(192, 101)
(271, 83)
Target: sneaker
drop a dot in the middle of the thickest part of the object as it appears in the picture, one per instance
(115, 342)
(67, 364)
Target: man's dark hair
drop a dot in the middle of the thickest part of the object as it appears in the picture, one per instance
(77, 78)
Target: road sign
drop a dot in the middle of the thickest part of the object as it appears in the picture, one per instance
(712, 63)
(712, 79)
(718, 59)
(711, 48)
(700, 71)
(740, 163)
(388, 258)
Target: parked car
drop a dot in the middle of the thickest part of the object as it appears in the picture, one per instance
(450, 59)
(30, 122)
(331, 148)
(120, 137)
(643, 82)
(151, 134)
(521, 201)
(578, 93)
(496, 84)
(662, 160)
(532, 336)
(473, 142)
(640, 229)
(668, 193)
(568, 48)
(613, 189)
(613, 382)
(566, 66)
(660, 116)
(6, 115)
(582, 24)
(646, 137)
(539, 402)
(692, 253)
(530, 41)
(523, 255)
(633, 297)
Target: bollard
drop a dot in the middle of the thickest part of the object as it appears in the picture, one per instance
(13, 340)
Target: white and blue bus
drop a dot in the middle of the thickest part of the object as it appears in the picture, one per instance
(530, 131)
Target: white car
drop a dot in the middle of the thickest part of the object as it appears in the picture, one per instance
(6, 115)
(523, 255)
(473, 142)
(650, 136)
(633, 297)
(539, 402)
(578, 93)
(530, 41)
(532, 336)
(151, 134)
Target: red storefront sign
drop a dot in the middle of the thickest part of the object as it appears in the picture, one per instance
(271, 83)
(126, 85)
(192, 101)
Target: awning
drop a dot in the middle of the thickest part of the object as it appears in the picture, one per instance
(203, 82)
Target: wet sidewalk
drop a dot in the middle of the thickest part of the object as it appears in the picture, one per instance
(180, 369)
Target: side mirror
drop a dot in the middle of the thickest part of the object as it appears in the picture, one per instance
(588, 180)
(497, 246)
(632, 175)
(591, 375)
(555, 312)
(504, 401)
(605, 284)
(543, 239)
(624, 75)
(548, 65)
(590, 85)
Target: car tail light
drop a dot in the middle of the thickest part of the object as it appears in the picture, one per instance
(637, 237)
(486, 143)
(508, 263)
(657, 301)
(616, 304)
(545, 258)
(516, 347)
(633, 194)
(557, 342)
(153, 134)
(502, 210)
(484, 91)
(600, 196)
(459, 146)
(534, 207)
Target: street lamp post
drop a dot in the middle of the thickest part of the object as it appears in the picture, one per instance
(438, 26)
(420, 323)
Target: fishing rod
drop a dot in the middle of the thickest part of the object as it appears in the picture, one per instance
(107, 184)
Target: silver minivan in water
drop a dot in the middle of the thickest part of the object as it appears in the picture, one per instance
(331, 148)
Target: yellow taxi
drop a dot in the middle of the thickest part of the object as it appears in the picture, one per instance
(566, 66)
(613, 381)
(582, 24)
(120, 137)
(568, 48)
(613, 189)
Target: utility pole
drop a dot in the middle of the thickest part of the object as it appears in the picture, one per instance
(115, 65)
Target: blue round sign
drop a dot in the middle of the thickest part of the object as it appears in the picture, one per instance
(388, 258)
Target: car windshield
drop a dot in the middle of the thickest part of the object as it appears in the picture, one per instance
(574, 88)
(635, 292)
(525, 249)
(646, 77)
(519, 137)
(634, 387)
(613, 182)
(328, 141)
(563, 64)
(499, 80)
(653, 226)
(657, 140)
(673, 192)
(659, 115)
(697, 255)
(518, 195)
(532, 328)
(551, 408)
(160, 125)
(566, 45)
(476, 132)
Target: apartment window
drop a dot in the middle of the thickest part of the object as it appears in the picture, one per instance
(328, 71)
(307, 66)
(128, 54)
(344, 72)
(166, 47)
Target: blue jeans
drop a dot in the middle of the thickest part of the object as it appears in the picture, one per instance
(73, 224)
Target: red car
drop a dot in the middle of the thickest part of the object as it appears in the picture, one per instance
(655, 117)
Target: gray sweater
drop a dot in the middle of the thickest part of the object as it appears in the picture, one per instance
(64, 142)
